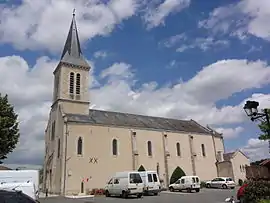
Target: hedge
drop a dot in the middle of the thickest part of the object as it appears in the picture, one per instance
(256, 191)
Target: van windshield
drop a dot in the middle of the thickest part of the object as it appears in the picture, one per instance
(135, 178)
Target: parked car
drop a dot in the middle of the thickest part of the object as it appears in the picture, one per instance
(188, 183)
(221, 182)
(151, 182)
(125, 184)
(13, 196)
(240, 193)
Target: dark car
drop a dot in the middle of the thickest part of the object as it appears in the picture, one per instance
(12, 196)
(241, 192)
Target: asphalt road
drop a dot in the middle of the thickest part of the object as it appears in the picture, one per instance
(205, 196)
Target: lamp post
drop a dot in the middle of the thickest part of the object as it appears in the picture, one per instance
(251, 109)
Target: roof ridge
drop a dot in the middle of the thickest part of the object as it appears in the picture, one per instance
(139, 115)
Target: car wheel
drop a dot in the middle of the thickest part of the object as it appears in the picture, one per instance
(171, 189)
(124, 194)
(208, 185)
(224, 186)
(197, 190)
(189, 190)
(156, 193)
(107, 194)
(232, 187)
(139, 195)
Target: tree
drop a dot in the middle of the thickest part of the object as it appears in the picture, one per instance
(9, 131)
(177, 173)
(264, 127)
(257, 162)
(141, 168)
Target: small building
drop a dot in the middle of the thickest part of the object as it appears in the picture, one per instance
(234, 165)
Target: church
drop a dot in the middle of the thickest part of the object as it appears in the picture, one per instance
(84, 147)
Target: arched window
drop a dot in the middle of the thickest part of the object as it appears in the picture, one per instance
(178, 151)
(203, 150)
(79, 146)
(58, 148)
(149, 148)
(71, 83)
(114, 147)
(78, 83)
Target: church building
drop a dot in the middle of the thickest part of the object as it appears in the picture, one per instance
(85, 147)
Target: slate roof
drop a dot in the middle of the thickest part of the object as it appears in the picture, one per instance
(228, 156)
(109, 118)
(72, 52)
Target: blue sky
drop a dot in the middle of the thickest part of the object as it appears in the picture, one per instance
(186, 59)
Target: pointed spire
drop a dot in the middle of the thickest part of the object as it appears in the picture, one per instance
(72, 52)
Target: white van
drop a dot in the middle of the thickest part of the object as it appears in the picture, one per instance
(125, 184)
(11, 176)
(27, 188)
(151, 182)
(188, 183)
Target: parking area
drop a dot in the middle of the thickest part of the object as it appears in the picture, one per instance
(205, 196)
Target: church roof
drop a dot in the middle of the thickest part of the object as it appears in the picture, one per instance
(72, 52)
(117, 119)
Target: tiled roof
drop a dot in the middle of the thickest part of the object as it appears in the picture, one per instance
(265, 162)
(109, 118)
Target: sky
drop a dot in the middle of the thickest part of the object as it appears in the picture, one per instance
(185, 59)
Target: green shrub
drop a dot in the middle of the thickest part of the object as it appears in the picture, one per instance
(264, 201)
(240, 182)
(177, 173)
(256, 191)
(203, 184)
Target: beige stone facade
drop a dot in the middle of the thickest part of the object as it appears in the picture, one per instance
(85, 147)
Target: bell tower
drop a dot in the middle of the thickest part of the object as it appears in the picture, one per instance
(71, 76)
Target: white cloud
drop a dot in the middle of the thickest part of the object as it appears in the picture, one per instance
(229, 133)
(117, 71)
(30, 89)
(203, 44)
(247, 17)
(156, 15)
(93, 18)
(181, 41)
(173, 40)
(100, 54)
(256, 149)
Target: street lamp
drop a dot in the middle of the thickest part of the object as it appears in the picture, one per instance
(251, 109)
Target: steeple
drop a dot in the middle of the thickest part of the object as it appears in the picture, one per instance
(72, 53)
